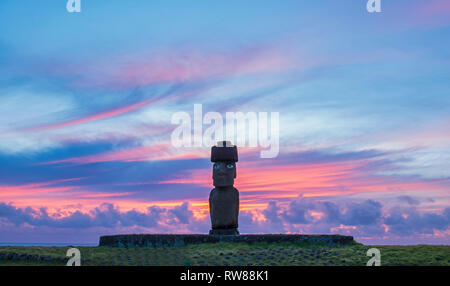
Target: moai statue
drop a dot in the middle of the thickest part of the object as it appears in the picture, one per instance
(224, 198)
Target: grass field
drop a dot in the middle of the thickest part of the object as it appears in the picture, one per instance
(230, 254)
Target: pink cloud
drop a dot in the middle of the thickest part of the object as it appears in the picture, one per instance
(310, 180)
(141, 153)
(435, 7)
(113, 112)
(192, 66)
(98, 116)
(430, 13)
(157, 152)
(178, 65)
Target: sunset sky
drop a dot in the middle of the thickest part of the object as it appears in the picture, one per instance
(86, 101)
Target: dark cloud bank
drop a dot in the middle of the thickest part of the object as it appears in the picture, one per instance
(363, 219)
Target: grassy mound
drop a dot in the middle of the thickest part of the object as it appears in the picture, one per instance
(230, 254)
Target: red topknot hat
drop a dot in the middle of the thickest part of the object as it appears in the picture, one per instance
(224, 151)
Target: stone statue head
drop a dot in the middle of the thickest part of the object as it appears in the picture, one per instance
(224, 156)
(224, 174)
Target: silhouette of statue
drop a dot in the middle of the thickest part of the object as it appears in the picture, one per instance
(224, 198)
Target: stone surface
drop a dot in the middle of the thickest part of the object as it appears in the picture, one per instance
(224, 174)
(186, 239)
(224, 152)
(224, 198)
(224, 208)
(221, 231)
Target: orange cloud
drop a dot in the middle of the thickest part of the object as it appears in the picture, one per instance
(260, 184)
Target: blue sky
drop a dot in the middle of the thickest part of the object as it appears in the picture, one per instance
(86, 101)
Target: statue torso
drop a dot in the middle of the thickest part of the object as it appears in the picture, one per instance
(224, 207)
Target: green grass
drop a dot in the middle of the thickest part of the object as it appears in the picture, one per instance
(231, 254)
(27, 263)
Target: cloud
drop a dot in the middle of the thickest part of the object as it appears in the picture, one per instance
(409, 200)
(362, 219)
(365, 213)
(410, 221)
(331, 212)
(431, 13)
(106, 215)
(131, 70)
(16, 215)
(297, 212)
(181, 214)
(272, 212)
(366, 219)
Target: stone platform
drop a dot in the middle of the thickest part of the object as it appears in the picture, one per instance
(126, 240)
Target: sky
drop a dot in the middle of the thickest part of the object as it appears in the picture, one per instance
(86, 101)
